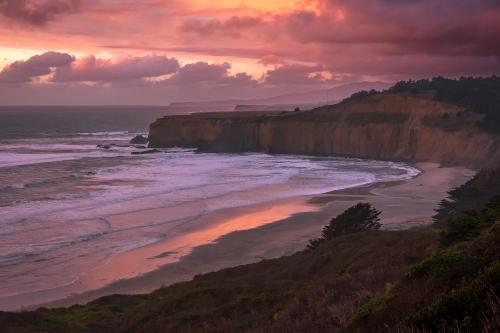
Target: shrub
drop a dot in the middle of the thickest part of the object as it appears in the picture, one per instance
(467, 226)
(473, 195)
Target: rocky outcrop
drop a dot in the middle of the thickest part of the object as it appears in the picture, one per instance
(383, 126)
(144, 152)
(139, 140)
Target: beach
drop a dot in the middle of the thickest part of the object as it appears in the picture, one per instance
(237, 236)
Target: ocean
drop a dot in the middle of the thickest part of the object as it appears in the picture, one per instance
(68, 206)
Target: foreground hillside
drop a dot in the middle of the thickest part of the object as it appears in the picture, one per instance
(407, 281)
(318, 290)
(389, 126)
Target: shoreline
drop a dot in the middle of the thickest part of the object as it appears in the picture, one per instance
(404, 204)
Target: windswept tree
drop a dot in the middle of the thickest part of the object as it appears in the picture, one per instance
(360, 217)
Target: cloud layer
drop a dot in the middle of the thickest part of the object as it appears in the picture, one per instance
(58, 67)
(257, 46)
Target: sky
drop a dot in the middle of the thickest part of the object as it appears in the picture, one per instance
(160, 51)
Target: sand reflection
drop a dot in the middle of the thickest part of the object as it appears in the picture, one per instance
(208, 229)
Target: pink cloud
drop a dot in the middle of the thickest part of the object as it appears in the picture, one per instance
(232, 26)
(64, 68)
(199, 72)
(38, 65)
(272, 59)
(293, 74)
(205, 73)
(106, 70)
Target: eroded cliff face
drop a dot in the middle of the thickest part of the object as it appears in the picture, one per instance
(379, 127)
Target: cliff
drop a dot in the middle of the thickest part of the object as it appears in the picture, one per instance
(384, 126)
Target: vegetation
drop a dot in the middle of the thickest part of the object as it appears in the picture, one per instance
(478, 95)
(473, 195)
(449, 122)
(456, 288)
(364, 93)
(358, 218)
(362, 118)
(467, 225)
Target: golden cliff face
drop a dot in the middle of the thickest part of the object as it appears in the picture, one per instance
(379, 127)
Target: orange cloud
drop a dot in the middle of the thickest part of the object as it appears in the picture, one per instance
(255, 5)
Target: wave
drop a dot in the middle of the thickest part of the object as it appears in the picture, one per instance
(29, 250)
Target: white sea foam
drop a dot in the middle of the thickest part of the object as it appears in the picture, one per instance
(104, 133)
(37, 154)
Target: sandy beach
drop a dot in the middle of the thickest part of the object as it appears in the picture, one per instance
(249, 234)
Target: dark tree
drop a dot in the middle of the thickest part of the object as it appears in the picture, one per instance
(470, 196)
(364, 93)
(360, 217)
(297, 109)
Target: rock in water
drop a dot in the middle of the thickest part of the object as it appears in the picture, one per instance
(150, 151)
(139, 140)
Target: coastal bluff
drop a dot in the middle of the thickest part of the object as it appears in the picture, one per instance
(384, 126)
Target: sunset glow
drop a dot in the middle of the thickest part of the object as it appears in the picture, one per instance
(262, 47)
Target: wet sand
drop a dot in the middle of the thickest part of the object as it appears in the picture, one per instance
(249, 234)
